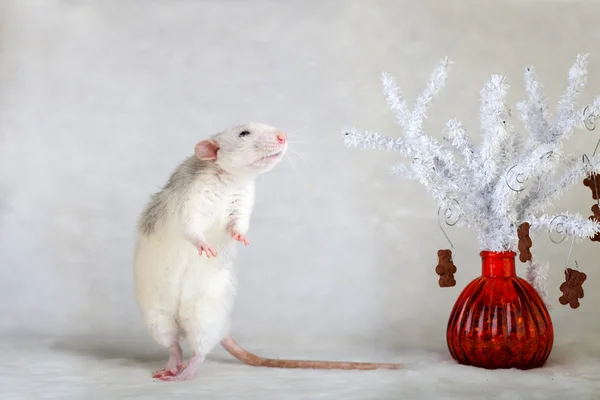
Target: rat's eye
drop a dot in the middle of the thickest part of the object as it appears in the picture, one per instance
(244, 133)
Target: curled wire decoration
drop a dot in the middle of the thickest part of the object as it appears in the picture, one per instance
(586, 161)
(589, 118)
(448, 215)
(558, 227)
(519, 179)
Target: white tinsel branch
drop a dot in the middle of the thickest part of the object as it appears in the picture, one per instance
(571, 225)
(404, 171)
(437, 81)
(428, 167)
(432, 164)
(501, 183)
(493, 115)
(394, 99)
(534, 112)
(376, 141)
(540, 197)
(531, 166)
(488, 182)
(536, 274)
(459, 138)
(568, 114)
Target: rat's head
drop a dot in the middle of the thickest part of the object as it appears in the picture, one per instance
(249, 149)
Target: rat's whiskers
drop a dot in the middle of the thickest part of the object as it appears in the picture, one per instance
(293, 133)
(288, 156)
(296, 153)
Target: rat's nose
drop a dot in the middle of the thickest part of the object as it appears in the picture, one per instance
(281, 137)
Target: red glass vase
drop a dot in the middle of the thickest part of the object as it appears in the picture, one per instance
(499, 319)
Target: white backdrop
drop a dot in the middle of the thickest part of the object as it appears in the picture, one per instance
(99, 101)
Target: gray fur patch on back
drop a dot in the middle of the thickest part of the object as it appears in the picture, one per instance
(170, 198)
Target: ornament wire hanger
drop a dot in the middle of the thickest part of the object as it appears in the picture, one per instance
(521, 181)
(586, 160)
(519, 177)
(590, 123)
(559, 228)
(569, 256)
(448, 221)
(589, 119)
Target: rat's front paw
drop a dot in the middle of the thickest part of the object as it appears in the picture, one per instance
(205, 248)
(240, 237)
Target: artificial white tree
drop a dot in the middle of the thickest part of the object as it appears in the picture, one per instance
(510, 178)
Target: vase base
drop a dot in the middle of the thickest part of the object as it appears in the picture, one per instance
(491, 367)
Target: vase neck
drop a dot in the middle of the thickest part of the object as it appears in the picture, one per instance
(498, 264)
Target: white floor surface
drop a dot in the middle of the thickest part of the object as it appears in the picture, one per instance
(69, 369)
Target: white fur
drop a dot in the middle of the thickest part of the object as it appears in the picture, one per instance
(181, 293)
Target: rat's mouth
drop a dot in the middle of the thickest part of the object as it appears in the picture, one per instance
(272, 156)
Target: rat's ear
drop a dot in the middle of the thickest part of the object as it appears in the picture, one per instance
(206, 149)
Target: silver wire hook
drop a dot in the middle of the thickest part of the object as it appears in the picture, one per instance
(563, 238)
(520, 177)
(569, 255)
(559, 229)
(539, 188)
(586, 160)
(589, 119)
(585, 157)
(590, 124)
(447, 221)
(596, 148)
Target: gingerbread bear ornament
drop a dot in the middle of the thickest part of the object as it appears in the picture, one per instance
(595, 217)
(571, 288)
(445, 269)
(592, 182)
(525, 242)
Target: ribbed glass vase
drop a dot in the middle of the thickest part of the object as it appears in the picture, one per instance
(499, 319)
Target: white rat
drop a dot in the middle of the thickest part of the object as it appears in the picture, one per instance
(184, 277)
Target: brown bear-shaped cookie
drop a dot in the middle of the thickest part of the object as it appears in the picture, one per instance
(592, 182)
(445, 269)
(571, 288)
(525, 242)
(595, 217)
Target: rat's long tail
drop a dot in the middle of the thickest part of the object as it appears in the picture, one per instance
(251, 359)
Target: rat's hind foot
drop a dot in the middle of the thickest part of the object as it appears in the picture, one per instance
(187, 372)
(167, 372)
(174, 365)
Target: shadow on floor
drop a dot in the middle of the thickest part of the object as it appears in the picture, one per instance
(103, 348)
(129, 351)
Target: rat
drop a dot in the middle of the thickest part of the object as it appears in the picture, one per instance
(184, 278)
